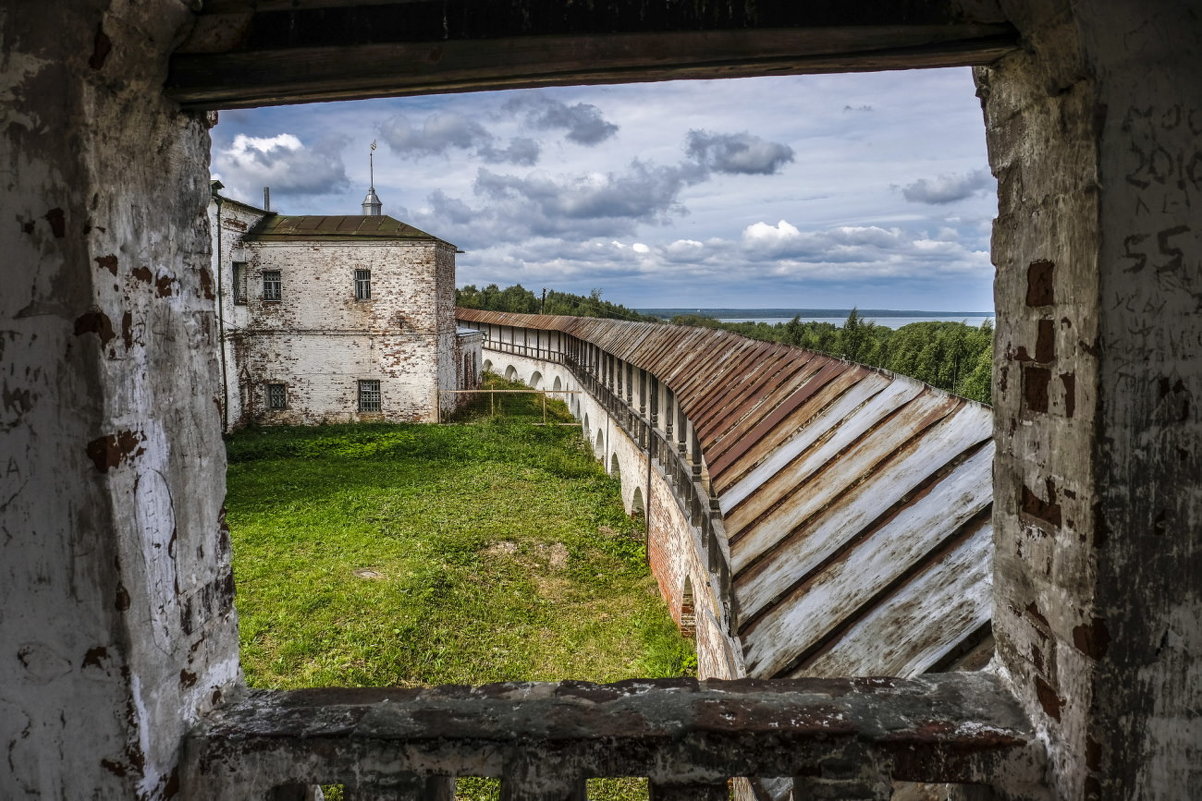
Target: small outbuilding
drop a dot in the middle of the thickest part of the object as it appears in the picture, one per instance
(335, 318)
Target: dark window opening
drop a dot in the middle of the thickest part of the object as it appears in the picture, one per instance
(369, 396)
(240, 283)
(277, 396)
(272, 286)
(362, 284)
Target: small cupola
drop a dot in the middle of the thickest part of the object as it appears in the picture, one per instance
(371, 204)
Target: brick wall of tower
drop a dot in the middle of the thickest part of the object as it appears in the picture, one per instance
(320, 340)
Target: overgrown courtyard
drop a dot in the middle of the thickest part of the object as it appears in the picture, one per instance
(418, 554)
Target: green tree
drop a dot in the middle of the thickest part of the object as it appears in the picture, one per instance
(793, 332)
(854, 337)
(519, 300)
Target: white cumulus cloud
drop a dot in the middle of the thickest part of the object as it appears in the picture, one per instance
(948, 188)
(282, 162)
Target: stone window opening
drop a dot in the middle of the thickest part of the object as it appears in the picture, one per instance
(369, 395)
(1095, 60)
(240, 283)
(277, 396)
(272, 286)
(362, 284)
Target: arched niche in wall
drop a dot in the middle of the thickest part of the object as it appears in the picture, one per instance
(688, 616)
(638, 509)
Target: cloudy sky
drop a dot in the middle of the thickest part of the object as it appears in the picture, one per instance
(867, 190)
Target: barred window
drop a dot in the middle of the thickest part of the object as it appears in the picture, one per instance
(277, 396)
(362, 284)
(240, 283)
(271, 285)
(369, 396)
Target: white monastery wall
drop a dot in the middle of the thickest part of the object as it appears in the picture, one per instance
(322, 371)
(320, 340)
(452, 372)
(228, 221)
(442, 290)
(318, 286)
(461, 369)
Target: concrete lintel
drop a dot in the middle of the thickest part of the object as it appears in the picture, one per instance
(224, 69)
(955, 727)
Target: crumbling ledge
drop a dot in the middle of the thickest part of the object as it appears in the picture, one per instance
(543, 739)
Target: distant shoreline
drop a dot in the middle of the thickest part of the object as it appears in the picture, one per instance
(789, 314)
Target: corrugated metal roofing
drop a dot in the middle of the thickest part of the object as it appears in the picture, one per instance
(856, 503)
(328, 227)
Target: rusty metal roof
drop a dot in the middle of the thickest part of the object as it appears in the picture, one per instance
(856, 502)
(281, 227)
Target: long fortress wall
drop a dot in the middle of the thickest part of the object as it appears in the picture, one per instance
(808, 516)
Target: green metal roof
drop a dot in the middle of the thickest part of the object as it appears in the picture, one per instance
(280, 227)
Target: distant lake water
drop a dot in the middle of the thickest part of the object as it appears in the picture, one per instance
(890, 318)
(889, 322)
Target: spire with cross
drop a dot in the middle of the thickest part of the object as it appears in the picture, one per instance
(371, 204)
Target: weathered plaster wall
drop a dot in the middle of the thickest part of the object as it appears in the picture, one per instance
(235, 220)
(673, 548)
(1094, 135)
(443, 294)
(320, 340)
(322, 372)
(449, 366)
(460, 369)
(116, 620)
(318, 287)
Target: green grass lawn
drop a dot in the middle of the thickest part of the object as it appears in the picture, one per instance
(395, 555)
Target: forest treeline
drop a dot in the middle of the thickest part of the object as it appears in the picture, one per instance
(519, 300)
(956, 357)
